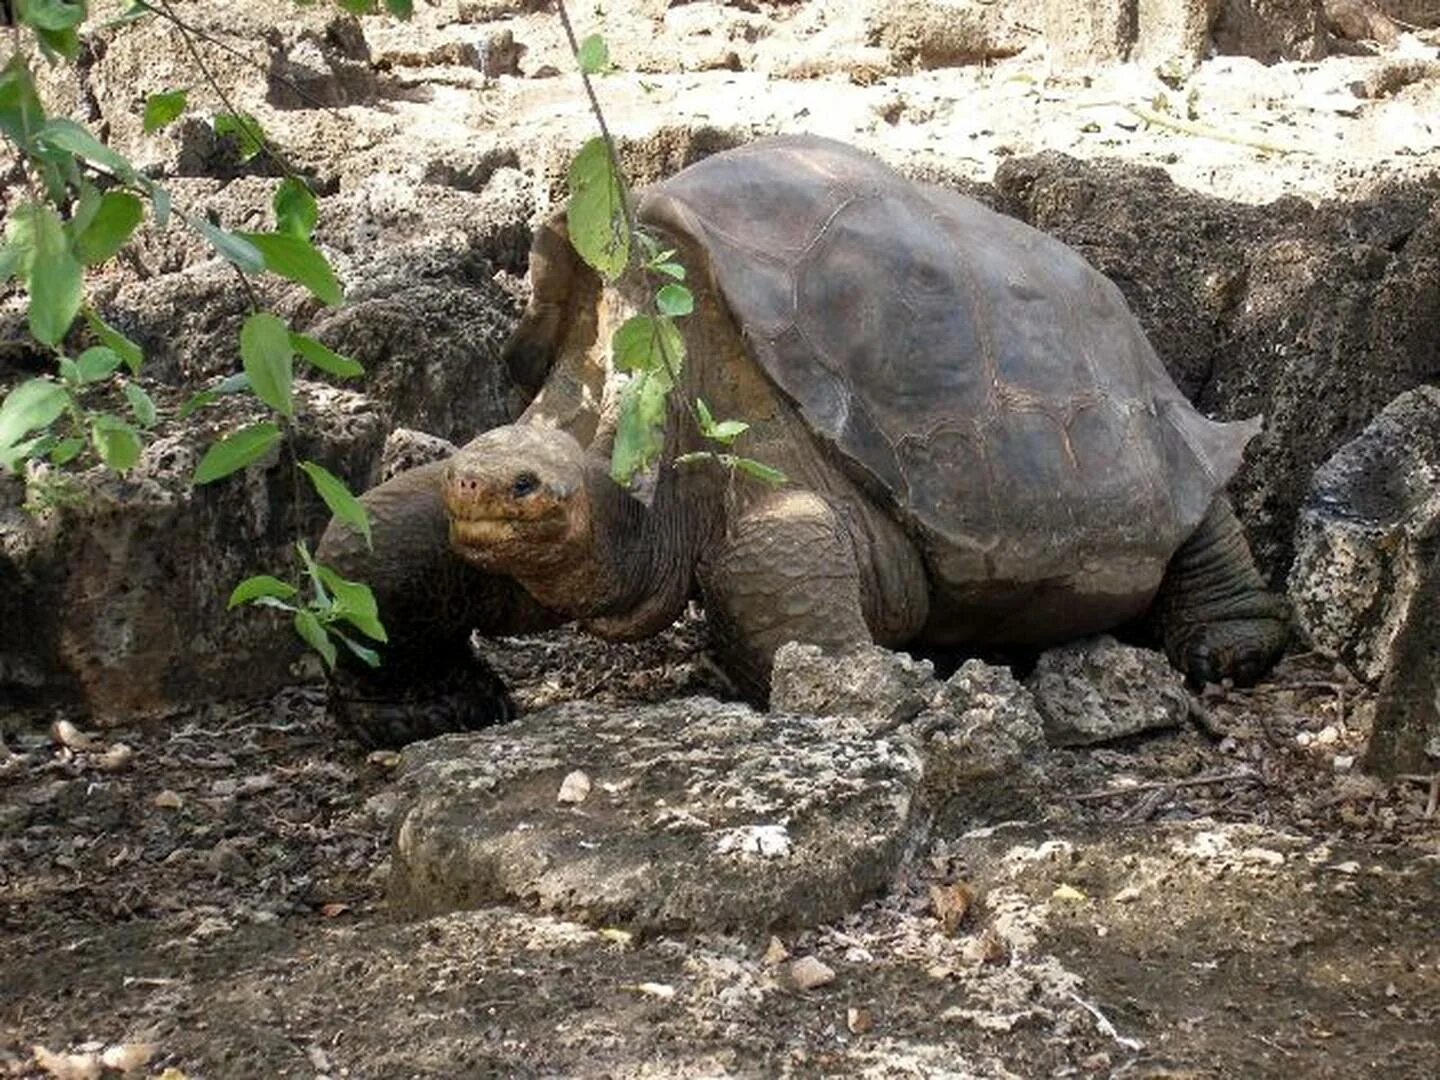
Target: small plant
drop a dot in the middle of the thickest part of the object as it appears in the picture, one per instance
(648, 346)
(83, 202)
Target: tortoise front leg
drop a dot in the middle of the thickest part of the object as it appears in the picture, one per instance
(787, 570)
(429, 681)
(1217, 618)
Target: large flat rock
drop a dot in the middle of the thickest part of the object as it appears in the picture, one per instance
(699, 815)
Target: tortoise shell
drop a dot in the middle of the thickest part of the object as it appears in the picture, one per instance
(975, 372)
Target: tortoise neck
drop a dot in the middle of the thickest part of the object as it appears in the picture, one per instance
(636, 571)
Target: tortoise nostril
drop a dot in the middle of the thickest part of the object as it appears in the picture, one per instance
(526, 483)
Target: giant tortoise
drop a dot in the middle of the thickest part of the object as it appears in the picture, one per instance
(981, 447)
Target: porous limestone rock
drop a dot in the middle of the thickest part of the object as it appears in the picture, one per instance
(1098, 689)
(1357, 566)
(701, 815)
(871, 683)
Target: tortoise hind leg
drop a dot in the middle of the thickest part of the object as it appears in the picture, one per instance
(428, 682)
(1217, 618)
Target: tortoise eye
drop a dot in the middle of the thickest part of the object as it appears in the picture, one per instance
(525, 484)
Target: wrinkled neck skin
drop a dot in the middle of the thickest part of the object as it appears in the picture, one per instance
(635, 567)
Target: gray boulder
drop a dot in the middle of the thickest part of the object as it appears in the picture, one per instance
(1366, 579)
(1098, 690)
(981, 726)
(1359, 561)
(874, 684)
(688, 815)
(113, 595)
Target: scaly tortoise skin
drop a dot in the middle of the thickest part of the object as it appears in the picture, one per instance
(982, 446)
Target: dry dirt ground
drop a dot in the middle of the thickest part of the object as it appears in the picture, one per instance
(1233, 900)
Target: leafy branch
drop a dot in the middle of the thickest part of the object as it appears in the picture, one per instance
(85, 202)
(648, 346)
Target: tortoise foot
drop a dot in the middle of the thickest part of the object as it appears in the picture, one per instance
(1241, 650)
(379, 714)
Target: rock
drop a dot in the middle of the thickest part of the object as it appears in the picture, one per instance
(1097, 690)
(114, 598)
(808, 973)
(1081, 33)
(1174, 35)
(946, 33)
(407, 449)
(983, 725)
(1359, 20)
(500, 54)
(1358, 560)
(323, 68)
(682, 829)
(1270, 30)
(871, 683)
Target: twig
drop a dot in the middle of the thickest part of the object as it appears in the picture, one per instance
(225, 47)
(1157, 785)
(1203, 131)
(240, 119)
(1106, 1027)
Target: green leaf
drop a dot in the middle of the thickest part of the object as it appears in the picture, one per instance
(325, 359)
(160, 202)
(116, 442)
(757, 469)
(342, 504)
(252, 588)
(401, 9)
(295, 258)
(63, 134)
(358, 7)
(244, 129)
(112, 225)
(96, 363)
(67, 450)
(269, 360)
(726, 431)
(21, 113)
(369, 656)
(11, 259)
(51, 14)
(640, 427)
(313, 634)
(238, 250)
(236, 451)
(669, 269)
(595, 214)
(646, 344)
(594, 55)
(34, 404)
(129, 352)
(55, 277)
(295, 210)
(162, 109)
(354, 602)
(141, 404)
(674, 300)
(131, 14)
(86, 207)
(231, 384)
(59, 43)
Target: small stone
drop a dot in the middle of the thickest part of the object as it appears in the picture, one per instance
(986, 948)
(859, 1019)
(951, 903)
(776, 953)
(1343, 762)
(1329, 735)
(128, 1057)
(1127, 895)
(167, 800)
(69, 736)
(1304, 738)
(116, 758)
(807, 973)
(575, 788)
(1069, 894)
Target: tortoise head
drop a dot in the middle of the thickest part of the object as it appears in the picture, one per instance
(518, 502)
